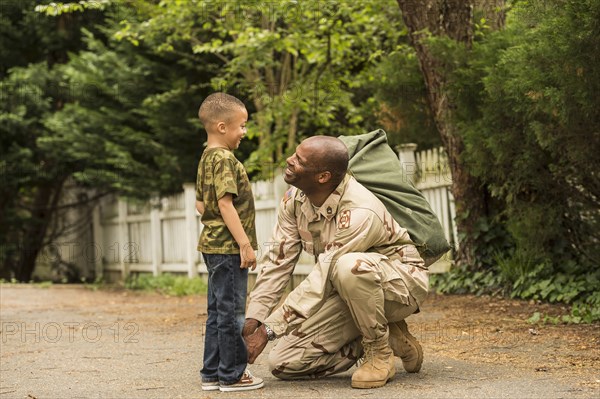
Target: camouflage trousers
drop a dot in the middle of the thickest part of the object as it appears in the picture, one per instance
(360, 307)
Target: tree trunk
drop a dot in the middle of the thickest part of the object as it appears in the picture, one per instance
(452, 19)
(44, 206)
(293, 130)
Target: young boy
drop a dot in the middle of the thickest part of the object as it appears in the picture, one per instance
(228, 240)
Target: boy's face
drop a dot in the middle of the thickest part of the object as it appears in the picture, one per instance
(235, 129)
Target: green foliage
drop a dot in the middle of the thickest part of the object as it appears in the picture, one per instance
(536, 124)
(32, 179)
(528, 282)
(109, 116)
(30, 37)
(490, 235)
(100, 131)
(39, 284)
(588, 312)
(142, 103)
(400, 99)
(44, 284)
(299, 66)
(105, 94)
(167, 284)
(527, 106)
(521, 275)
(54, 9)
(517, 268)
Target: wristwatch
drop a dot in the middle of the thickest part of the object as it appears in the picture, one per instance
(270, 333)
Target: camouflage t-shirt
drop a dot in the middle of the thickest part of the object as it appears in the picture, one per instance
(219, 173)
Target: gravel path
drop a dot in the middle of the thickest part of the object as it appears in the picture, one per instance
(73, 342)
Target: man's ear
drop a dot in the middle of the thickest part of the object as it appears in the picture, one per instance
(324, 177)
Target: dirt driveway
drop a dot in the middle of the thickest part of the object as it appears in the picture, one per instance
(72, 342)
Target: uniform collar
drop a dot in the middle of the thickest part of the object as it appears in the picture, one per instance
(329, 208)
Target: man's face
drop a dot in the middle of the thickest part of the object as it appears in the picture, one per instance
(300, 171)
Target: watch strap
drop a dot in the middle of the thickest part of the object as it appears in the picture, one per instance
(270, 333)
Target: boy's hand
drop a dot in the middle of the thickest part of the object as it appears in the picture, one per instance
(248, 257)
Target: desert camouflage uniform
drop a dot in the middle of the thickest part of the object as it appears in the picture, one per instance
(219, 173)
(367, 273)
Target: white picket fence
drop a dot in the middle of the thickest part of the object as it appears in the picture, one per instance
(162, 235)
(434, 180)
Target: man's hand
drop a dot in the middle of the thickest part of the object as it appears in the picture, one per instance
(249, 327)
(256, 343)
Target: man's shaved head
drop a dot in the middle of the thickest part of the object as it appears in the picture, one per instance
(328, 154)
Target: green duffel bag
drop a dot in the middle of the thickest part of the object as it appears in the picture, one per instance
(376, 166)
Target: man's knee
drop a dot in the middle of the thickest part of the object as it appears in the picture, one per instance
(343, 268)
(353, 266)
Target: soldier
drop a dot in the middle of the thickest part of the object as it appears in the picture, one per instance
(368, 277)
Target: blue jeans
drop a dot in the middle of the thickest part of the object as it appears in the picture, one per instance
(225, 354)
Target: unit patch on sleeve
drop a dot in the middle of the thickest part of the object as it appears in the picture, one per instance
(287, 195)
(344, 221)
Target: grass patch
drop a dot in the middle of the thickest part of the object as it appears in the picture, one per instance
(167, 284)
(40, 284)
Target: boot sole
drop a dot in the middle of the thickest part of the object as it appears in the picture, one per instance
(369, 384)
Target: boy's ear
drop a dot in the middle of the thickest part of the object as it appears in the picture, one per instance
(221, 127)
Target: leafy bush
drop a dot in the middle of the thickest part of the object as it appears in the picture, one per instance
(518, 277)
(168, 284)
(527, 101)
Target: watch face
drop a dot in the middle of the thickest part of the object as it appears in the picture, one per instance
(270, 333)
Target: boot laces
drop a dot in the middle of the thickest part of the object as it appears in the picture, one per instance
(367, 355)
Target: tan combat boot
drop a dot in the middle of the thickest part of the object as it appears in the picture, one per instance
(378, 366)
(405, 346)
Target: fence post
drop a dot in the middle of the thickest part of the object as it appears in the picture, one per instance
(97, 243)
(156, 236)
(189, 190)
(123, 238)
(406, 154)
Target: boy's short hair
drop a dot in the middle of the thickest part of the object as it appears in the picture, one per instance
(218, 106)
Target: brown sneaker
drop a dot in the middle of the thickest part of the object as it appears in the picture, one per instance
(378, 366)
(406, 347)
(246, 383)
